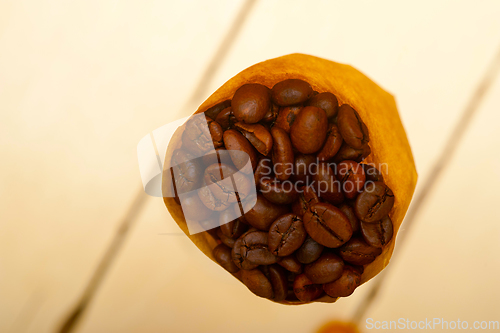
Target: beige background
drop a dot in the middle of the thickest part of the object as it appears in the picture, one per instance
(82, 81)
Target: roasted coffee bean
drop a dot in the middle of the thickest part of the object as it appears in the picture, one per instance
(258, 136)
(306, 199)
(263, 170)
(357, 252)
(351, 216)
(305, 289)
(286, 235)
(332, 144)
(219, 155)
(326, 185)
(218, 179)
(233, 229)
(234, 140)
(215, 131)
(210, 201)
(372, 173)
(251, 102)
(308, 131)
(226, 119)
(346, 152)
(326, 269)
(279, 282)
(327, 225)
(286, 117)
(326, 101)
(196, 137)
(214, 111)
(353, 129)
(304, 168)
(194, 209)
(352, 177)
(278, 193)
(345, 285)
(291, 264)
(187, 171)
(282, 154)
(309, 251)
(272, 114)
(374, 202)
(228, 241)
(254, 249)
(263, 213)
(222, 255)
(291, 91)
(378, 233)
(257, 282)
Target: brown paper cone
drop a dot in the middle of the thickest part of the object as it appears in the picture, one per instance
(376, 107)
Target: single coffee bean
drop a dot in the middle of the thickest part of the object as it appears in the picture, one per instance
(309, 251)
(305, 289)
(222, 255)
(197, 137)
(215, 131)
(187, 171)
(279, 282)
(304, 167)
(251, 102)
(345, 285)
(226, 119)
(256, 250)
(278, 193)
(218, 179)
(352, 177)
(326, 185)
(357, 252)
(306, 199)
(233, 229)
(212, 202)
(327, 225)
(214, 111)
(346, 152)
(351, 216)
(372, 173)
(194, 209)
(378, 233)
(257, 282)
(258, 136)
(219, 155)
(286, 235)
(263, 213)
(353, 129)
(228, 241)
(308, 131)
(263, 170)
(291, 264)
(326, 101)
(291, 91)
(326, 269)
(272, 114)
(332, 144)
(374, 202)
(282, 154)
(234, 140)
(286, 117)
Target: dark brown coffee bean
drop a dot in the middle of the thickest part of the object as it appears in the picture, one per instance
(214, 111)
(378, 233)
(309, 251)
(305, 289)
(326, 269)
(194, 209)
(251, 250)
(326, 185)
(326, 101)
(258, 136)
(257, 282)
(272, 114)
(226, 119)
(332, 144)
(351, 216)
(282, 154)
(218, 179)
(327, 225)
(225, 240)
(374, 202)
(196, 136)
(306, 199)
(219, 155)
(291, 91)
(286, 117)
(291, 264)
(251, 102)
(187, 171)
(278, 193)
(352, 177)
(357, 252)
(353, 129)
(345, 285)
(286, 235)
(222, 255)
(346, 152)
(233, 229)
(212, 202)
(279, 282)
(263, 170)
(372, 173)
(215, 131)
(234, 140)
(304, 167)
(263, 213)
(308, 131)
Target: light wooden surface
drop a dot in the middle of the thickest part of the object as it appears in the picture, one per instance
(82, 82)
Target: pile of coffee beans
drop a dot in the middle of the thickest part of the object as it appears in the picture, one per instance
(320, 214)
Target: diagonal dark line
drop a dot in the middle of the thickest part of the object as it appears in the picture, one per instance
(435, 174)
(72, 318)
